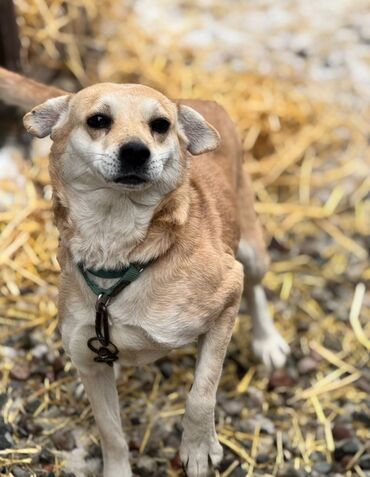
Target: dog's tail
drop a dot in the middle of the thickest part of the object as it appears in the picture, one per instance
(17, 90)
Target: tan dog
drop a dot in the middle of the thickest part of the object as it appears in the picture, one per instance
(127, 190)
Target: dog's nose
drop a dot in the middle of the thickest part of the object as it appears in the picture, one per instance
(134, 154)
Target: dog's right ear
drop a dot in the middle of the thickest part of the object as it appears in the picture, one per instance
(41, 120)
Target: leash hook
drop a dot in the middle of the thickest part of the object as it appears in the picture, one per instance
(101, 319)
(107, 352)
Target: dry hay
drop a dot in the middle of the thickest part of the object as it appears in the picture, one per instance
(310, 166)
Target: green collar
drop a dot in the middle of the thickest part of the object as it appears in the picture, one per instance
(124, 275)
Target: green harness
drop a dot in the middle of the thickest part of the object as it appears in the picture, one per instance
(101, 345)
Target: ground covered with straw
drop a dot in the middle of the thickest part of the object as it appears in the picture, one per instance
(309, 160)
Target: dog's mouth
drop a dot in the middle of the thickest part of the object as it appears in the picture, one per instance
(130, 179)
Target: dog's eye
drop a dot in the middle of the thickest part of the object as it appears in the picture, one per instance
(99, 121)
(160, 125)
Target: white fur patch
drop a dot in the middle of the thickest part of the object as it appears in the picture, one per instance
(267, 343)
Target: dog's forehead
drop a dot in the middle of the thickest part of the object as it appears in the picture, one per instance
(121, 98)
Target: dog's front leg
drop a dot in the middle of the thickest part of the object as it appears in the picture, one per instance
(199, 440)
(102, 393)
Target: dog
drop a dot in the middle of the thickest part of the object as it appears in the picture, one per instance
(150, 196)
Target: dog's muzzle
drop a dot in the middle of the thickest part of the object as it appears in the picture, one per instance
(134, 157)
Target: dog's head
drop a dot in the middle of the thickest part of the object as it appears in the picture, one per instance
(127, 137)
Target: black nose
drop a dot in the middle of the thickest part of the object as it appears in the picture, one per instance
(134, 154)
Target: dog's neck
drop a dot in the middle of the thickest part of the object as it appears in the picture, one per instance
(104, 228)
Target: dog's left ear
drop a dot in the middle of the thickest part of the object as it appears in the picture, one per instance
(41, 120)
(201, 135)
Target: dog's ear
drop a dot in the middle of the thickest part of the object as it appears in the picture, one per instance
(41, 120)
(201, 135)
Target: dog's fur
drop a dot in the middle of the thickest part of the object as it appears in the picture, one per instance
(193, 216)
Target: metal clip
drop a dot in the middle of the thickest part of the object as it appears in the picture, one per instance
(105, 354)
(101, 319)
(101, 345)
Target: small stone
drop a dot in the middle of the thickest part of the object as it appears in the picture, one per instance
(310, 245)
(166, 369)
(227, 460)
(79, 391)
(39, 351)
(280, 379)
(322, 468)
(238, 472)
(291, 472)
(135, 420)
(172, 441)
(262, 459)
(362, 417)
(31, 406)
(64, 440)
(265, 424)
(145, 466)
(46, 457)
(317, 456)
(332, 343)
(363, 384)
(58, 365)
(345, 448)
(26, 427)
(307, 365)
(233, 407)
(341, 432)
(3, 399)
(256, 395)
(364, 462)
(303, 326)
(26, 341)
(5, 435)
(52, 412)
(20, 371)
(345, 461)
(94, 452)
(43, 370)
(19, 472)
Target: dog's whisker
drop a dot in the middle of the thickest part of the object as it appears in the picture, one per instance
(70, 154)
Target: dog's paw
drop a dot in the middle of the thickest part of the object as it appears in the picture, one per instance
(272, 350)
(195, 455)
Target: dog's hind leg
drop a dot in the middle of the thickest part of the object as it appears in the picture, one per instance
(267, 343)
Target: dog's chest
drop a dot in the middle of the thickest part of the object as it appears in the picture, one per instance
(106, 231)
(147, 319)
(161, 313)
